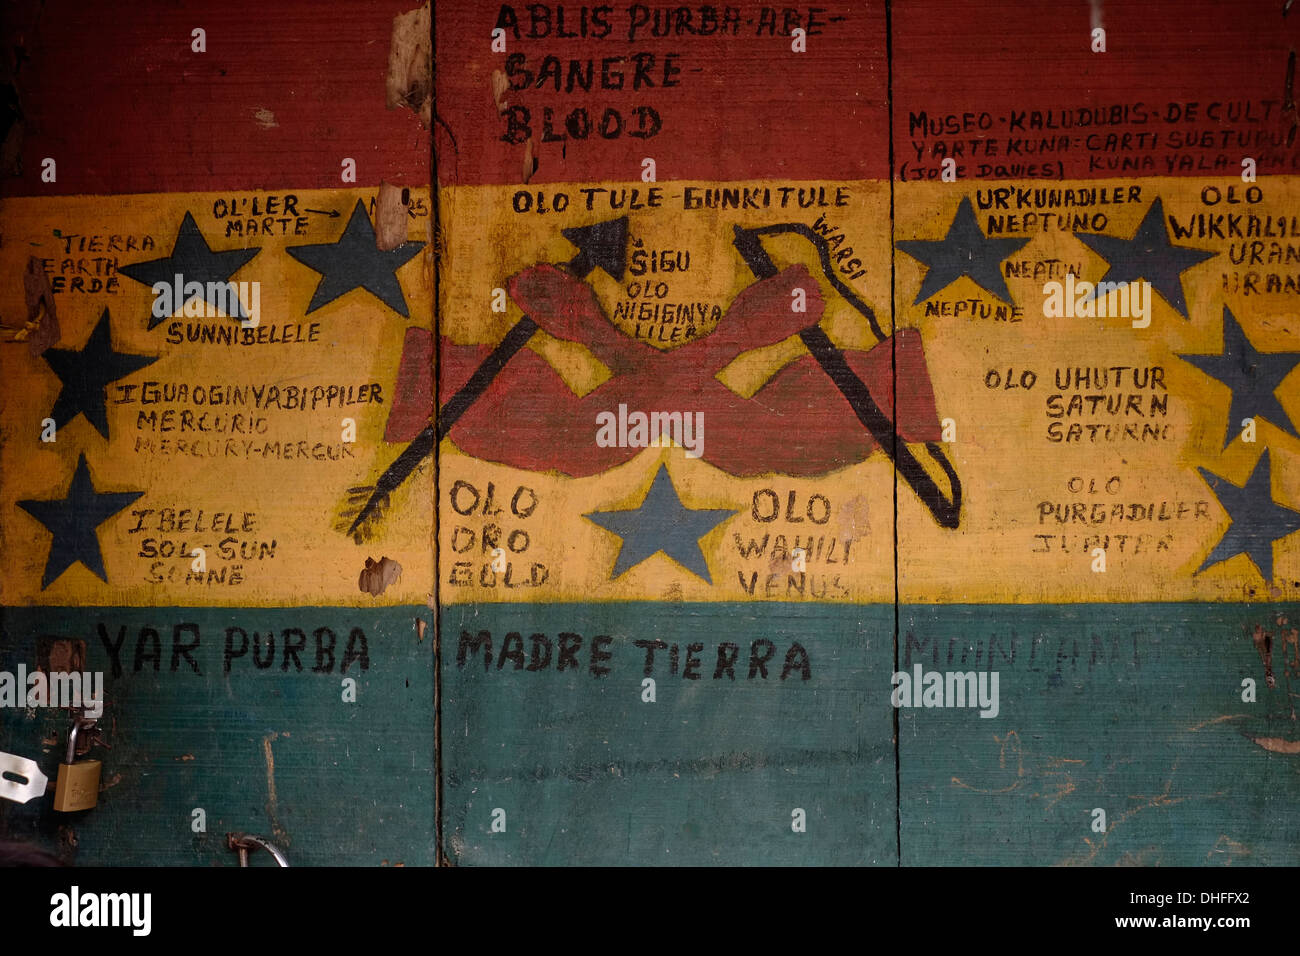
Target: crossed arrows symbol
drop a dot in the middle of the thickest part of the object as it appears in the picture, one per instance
(649, 372)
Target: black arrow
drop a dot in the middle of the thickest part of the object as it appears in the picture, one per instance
(946, 511)
(750, 246)
(332, 213)
(602, 245)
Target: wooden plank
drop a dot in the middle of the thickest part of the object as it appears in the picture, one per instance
(250, 739)
(908, 454)
(586, 771)
(715, 270)
(1134, 710)
(236, 433)
(253, 153)
(1107, 458)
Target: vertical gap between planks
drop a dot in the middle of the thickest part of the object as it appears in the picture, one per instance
(893, 378)
(440, 858)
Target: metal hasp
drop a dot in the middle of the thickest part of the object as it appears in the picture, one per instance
(13, 769)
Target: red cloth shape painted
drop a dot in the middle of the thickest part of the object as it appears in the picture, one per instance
(797, 423)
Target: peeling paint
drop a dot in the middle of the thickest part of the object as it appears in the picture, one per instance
(68, 843)
(272, 800)
(500, 86)
(264, 118)
(410, 64)
(378, 575)
(60, 655)
(530, 161)
(1214, 720)
(1228, 848)
(1278, 745)
(391, 215)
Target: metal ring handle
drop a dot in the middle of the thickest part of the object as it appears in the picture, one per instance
(244, 842)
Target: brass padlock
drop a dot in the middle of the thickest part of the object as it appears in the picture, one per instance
(77, 786)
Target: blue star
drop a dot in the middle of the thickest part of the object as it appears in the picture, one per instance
(1148, 255)
(194, 261)
(86, 373)
(1254, 377)
(73, 520)
(355, 262)
(1257, 521)
(661, 523)
(964, 251)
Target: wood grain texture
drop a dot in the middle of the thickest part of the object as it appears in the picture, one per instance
(226, 688)
(262, 747)
(281, 95)
(901, 466)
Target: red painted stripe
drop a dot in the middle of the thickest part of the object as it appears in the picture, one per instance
(953, 57)
(114, 94)
(744, 107)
